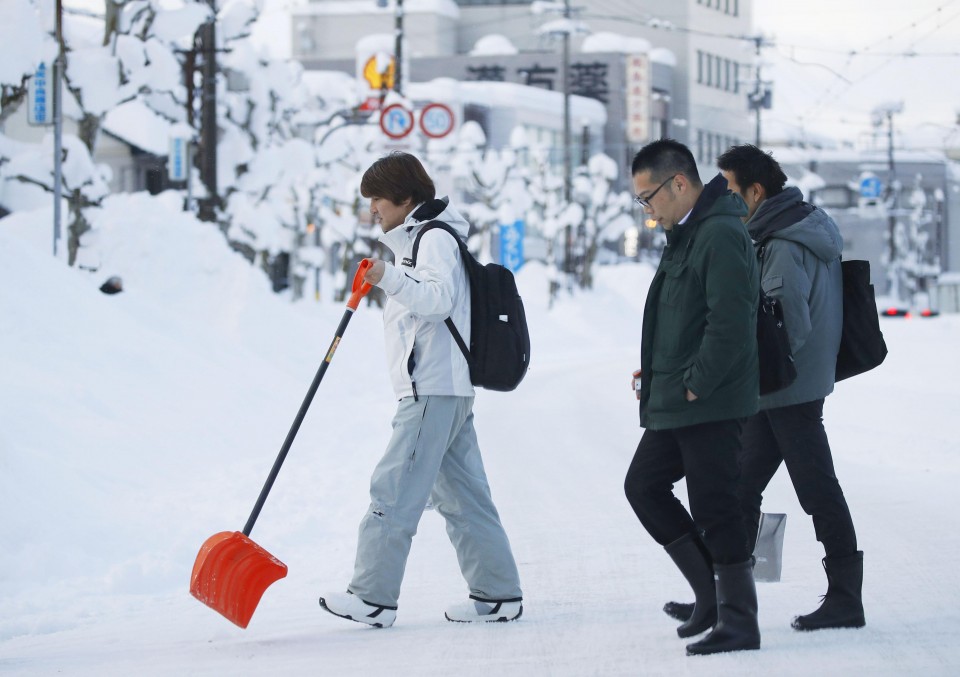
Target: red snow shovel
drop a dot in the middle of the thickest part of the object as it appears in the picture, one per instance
(232, 572)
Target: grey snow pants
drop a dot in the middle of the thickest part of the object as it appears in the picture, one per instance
(433, 455)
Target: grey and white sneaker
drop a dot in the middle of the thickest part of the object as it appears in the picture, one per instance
(486, 610)
(349, 606)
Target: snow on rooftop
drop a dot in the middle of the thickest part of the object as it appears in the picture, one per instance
(605, 41)
(793, 155)
(493, 45)
(139, 126)
(663, 56)
(348, 7)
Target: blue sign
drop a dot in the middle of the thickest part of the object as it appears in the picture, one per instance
(511, 245)
(40, 104)
(178, 164)
(870, 187)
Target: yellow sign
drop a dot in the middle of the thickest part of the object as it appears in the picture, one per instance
(375, 78)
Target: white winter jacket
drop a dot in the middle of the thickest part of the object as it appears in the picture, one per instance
(422, 356)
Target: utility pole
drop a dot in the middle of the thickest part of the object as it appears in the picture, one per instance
(567, 161)
(398, 49)
(892, 192)
(565, 75)
(208, 117)
(761, 96)
(58, 68)
(397, 46)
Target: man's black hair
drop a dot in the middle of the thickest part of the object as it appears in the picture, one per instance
(751, 165)
(665, 157)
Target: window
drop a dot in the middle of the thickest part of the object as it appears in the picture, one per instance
(718, 72)
(729, 7)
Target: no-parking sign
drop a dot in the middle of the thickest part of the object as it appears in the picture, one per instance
(436, 120)
(396, 121)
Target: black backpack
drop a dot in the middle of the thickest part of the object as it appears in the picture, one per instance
(499, 352)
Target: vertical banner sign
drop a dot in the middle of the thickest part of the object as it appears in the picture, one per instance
(178, 164)
(638, 98)
(511, 245)
(40, 97)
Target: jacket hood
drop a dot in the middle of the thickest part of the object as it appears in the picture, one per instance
(716, 198)
(438, 209)
(786, 216)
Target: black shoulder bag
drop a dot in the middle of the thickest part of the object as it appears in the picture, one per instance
(861, 342)
(777, 370)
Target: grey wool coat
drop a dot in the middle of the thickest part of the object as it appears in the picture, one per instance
(799, 248)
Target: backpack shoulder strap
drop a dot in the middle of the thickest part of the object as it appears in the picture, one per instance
(443, 226)
(464, 253)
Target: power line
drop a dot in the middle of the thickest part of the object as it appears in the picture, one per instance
(836, 89)
(912, 25)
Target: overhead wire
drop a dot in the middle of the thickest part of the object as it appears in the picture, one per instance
(836, 89)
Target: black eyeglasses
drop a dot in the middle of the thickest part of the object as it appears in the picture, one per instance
(645, 201)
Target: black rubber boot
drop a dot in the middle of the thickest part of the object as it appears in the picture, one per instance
(737, 628)
(842, 606)
(689, 557)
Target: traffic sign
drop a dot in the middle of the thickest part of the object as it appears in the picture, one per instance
(511, 245)
(178, 162)
(436, 120)
(396, 121)
(40, 99)
(870, 187)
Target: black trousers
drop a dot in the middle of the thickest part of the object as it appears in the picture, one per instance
(795, 436)
(706, 454)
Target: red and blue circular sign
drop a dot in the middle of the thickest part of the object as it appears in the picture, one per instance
(436, 120)
(396, 121)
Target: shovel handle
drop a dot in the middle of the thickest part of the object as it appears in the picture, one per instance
(359, 287)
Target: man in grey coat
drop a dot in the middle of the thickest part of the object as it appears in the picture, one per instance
(799, 248)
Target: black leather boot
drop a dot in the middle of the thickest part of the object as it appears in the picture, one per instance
(737, 628)
(689, 557)
(842, 606)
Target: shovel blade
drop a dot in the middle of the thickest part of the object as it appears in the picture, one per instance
(231, 574)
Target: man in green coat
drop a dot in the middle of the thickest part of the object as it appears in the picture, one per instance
(698, 381)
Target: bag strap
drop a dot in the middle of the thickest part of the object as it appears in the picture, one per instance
(464, 253)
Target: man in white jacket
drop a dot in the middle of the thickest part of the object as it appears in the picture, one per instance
(433, 454)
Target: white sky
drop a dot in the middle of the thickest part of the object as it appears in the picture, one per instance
(814, 39)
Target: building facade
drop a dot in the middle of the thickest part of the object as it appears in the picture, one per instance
(698, 76)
